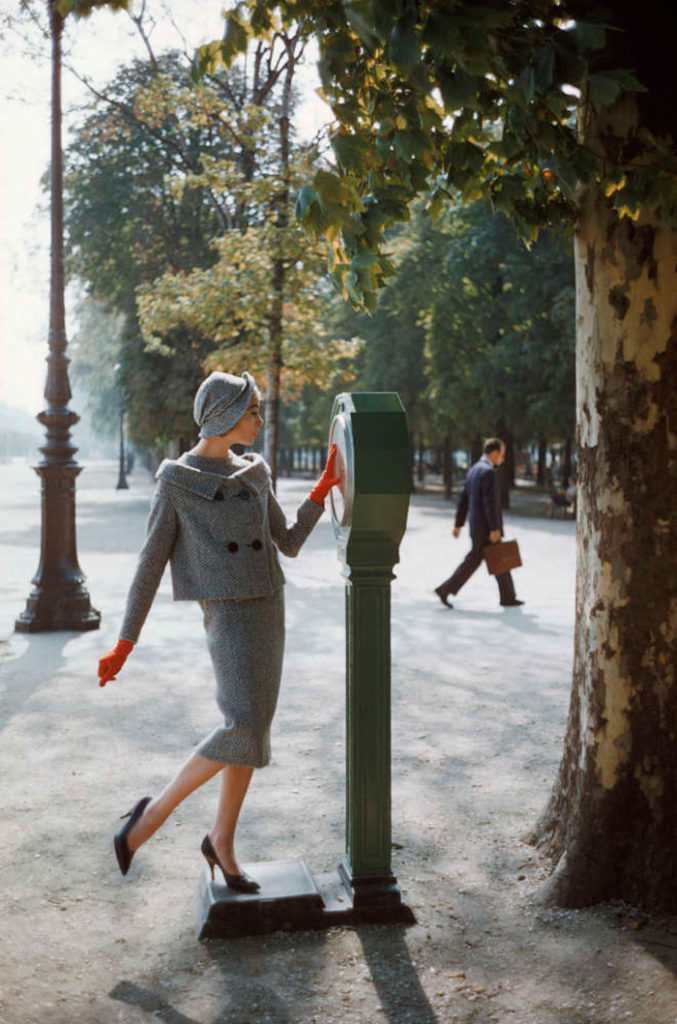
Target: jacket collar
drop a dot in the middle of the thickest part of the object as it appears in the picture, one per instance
(197, 481)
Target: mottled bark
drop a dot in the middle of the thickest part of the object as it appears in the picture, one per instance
(611, 825)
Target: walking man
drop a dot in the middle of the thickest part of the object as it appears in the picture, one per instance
(480, 502)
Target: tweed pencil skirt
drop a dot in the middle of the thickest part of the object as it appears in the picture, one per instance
(246, 643)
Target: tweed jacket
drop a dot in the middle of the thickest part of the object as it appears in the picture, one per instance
(219, 534)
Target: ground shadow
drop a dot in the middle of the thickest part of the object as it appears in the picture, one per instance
(34, 668)
(151, 1002)
(403, 998)
(659, 939)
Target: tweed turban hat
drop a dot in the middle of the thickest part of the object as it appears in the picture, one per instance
(221, 402)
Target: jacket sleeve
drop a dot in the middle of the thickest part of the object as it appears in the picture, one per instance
(462, 506)
(160, 537)
(491, 499)
(289, 539)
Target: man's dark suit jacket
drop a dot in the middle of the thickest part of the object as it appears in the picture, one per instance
(480, 500)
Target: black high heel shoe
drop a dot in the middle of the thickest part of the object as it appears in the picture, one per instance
(241, 883)
(122, 851)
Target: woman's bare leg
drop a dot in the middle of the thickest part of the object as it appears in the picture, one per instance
(196, 771)
(235, 781)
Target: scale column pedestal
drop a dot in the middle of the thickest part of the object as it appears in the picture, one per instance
(366, 871)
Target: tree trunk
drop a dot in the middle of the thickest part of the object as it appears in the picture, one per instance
(274, 373)
(475, 449)
(566, 467)
(412, 462)
(447, 467)
(611, 825)
(542, 456)
(506, 475)
(510, 459)
(420, 467)
(276, 329)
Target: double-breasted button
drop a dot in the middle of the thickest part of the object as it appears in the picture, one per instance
(233, 546)
(256, 544)
(243, 494)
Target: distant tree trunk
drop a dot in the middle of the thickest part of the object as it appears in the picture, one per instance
(420, 469)
(611, 825)
(412, 462)
(507, 472)
(510, 459)
(542, 456)
(476, 448)
(566, 469)
(273, 405)
(447, 467)
(281, 206)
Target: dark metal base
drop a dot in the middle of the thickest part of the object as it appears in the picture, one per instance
(291, 900)
(55, 611)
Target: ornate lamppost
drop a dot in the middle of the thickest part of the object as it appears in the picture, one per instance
(59, 599)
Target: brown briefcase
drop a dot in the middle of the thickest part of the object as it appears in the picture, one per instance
(502, 557)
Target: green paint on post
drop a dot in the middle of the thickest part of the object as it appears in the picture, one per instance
(369, 512)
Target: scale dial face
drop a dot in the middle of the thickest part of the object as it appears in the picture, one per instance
(341, 495)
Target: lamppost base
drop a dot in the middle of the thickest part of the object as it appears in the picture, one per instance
(53, 611)
(374, 894)
(290, 899)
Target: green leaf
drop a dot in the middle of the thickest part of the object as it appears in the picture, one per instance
(441, 33)
(306, 198)
(527, 82)
(235, 39)
(404, 48)
(360, 21)
(438, 201)
(364, 260)
(589, 35)
(459, 89)
(329, 187)
(604, 87)
(544, 69)
(410, 144)
(603, 90)
(352, 152)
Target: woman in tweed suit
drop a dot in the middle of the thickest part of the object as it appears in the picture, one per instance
(215, 518)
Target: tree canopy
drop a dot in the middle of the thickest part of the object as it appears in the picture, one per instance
(180, 216)
(480, 99)
(473, 330)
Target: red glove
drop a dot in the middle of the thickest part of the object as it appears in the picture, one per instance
(326, 481)
(111, 663)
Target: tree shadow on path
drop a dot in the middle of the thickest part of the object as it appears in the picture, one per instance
(29, 671)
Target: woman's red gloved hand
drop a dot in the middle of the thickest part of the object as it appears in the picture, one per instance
(327, 480)
(111, 663)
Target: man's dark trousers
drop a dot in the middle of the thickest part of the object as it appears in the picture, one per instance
(469, 565)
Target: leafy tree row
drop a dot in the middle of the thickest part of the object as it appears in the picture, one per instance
(475, 330)
(180, 220)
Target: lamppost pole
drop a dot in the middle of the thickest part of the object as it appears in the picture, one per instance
(59, 599)
(122, 484)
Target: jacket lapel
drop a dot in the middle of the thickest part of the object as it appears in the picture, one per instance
(207, 485)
